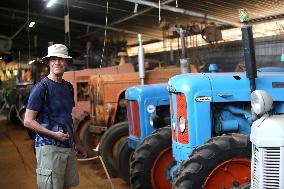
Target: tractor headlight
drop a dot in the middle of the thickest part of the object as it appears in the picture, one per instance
(182, 124)
(151, 121)
(261, 102)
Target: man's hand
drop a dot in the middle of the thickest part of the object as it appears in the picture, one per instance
(81, 152)
(61, 136)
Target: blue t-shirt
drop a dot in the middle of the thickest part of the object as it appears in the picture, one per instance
(55, 112)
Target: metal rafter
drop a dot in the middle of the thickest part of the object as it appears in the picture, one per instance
(130, 16)
(138, 13)
(86, 24)
(184, 11)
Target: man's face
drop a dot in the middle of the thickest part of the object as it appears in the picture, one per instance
(57, 65)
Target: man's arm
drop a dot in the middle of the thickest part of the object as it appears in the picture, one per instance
(31, 123)
(79, 147)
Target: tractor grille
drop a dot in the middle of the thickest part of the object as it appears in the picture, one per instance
(266, 168)
(95, 99)
(271, 164)
(174, 136)
(182, 112)
(255, 168)
(133, 117)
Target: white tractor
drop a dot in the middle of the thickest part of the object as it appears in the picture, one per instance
(267, 137)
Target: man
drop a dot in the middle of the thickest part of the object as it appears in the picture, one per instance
(48, 113)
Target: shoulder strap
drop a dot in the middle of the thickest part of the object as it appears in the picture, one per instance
(45, 96)
(70, 86)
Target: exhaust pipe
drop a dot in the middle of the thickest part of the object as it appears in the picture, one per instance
(141, 60)
(184, 61)
(249, 51)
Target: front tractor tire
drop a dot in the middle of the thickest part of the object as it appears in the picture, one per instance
(151, 160)
(109, 144)
(124, 155)
(222, 162)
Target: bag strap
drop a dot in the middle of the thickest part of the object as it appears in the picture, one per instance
(70, 86)
(45, 94)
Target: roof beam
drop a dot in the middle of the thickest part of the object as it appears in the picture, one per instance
(129, 17)
(103, 27)
(184, 11)
(86, 24)
(137, 14)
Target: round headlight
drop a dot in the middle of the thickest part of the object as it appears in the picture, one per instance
(182, 124)
(261, 102)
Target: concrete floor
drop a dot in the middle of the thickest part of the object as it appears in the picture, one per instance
(17, 163)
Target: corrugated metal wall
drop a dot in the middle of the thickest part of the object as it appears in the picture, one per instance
(228, 55)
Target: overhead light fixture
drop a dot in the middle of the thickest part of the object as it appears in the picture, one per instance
(50, 3)
(31, 24)
(32, 61)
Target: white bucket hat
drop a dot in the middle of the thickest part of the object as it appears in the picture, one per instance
(57, 50)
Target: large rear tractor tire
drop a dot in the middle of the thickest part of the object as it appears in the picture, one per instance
(124, 155)
(222, 162)
(109, 144)
(151, 160)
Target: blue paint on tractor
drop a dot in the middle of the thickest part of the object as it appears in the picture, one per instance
(270, 69)
(149, 98)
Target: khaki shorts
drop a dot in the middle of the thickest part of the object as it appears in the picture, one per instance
(57, 167)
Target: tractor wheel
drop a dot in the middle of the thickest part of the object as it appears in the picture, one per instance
(22, 116)
(87, 138)
(12, 115)
(124, 154)
(150, 161)
(109, 144)
(222, 162)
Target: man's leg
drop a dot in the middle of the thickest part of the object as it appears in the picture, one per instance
(71, 173)
(51, 165)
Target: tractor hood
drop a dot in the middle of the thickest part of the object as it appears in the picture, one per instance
(141, 92)
(158, 75)
(225, 87)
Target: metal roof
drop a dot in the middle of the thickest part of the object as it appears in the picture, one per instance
(88, 19)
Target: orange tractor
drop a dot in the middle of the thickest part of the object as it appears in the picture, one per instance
(79, 79)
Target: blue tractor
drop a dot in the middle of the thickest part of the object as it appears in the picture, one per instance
(148, 110)
(211, 122)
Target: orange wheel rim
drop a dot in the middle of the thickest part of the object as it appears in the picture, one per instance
(235, 171)
(159, 169)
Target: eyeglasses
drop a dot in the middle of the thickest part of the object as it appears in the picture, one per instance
(59, 59)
